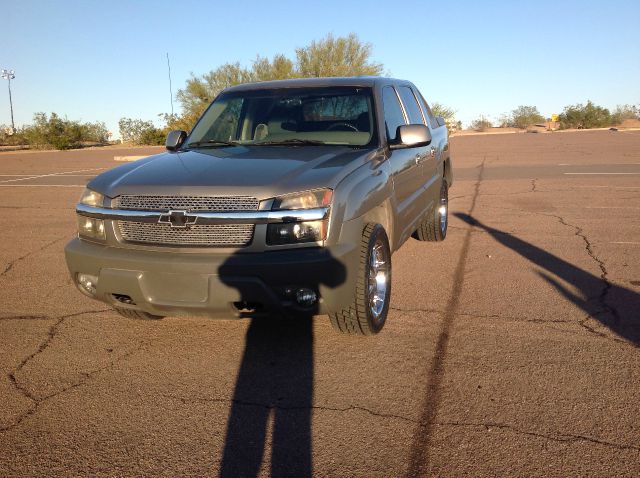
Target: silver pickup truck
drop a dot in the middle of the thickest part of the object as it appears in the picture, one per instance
(287, 198)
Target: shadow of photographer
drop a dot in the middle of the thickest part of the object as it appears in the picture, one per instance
(613, 306)
(275, 379)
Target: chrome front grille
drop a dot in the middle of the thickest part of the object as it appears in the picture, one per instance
(186, 203)
(196, 235)
(216, 235)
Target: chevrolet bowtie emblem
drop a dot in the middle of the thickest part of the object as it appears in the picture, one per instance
(177, 219)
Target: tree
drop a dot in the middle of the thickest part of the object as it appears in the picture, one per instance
(331, 56)
(342, 56)
(524, 116)
(449, 116)
(136, 131)
(585, 116)
(625, 112)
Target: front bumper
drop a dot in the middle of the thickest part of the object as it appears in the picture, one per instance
(218, 285)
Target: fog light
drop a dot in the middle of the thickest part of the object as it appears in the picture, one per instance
(306, 297)
(87, 284)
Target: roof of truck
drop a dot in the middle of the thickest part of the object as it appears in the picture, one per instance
(368, 81)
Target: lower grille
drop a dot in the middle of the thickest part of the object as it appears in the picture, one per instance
(198, 235)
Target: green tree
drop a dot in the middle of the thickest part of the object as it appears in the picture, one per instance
(341, 56)
(136, 131)
(331, 56)
(524, 116)
(585, 116)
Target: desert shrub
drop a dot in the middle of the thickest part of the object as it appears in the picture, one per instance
(9, 137)
(481, 124)
(625, 112)
(524, 116)
(136, 131)
(585, 116)
(53, 132)
(95, 132)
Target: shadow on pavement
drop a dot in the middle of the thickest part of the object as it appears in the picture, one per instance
(275, 380)
(613, 306)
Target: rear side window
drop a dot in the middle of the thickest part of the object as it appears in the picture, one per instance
(427, 111)
(411, 105)
(393, 115)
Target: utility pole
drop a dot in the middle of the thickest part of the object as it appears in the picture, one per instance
(170, 88)
(10, 75)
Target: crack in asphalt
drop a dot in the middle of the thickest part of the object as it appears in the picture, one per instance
(478, 315)
(26, 317)
(52, 332)
(40, 249)
(605, 306)
(560, 437)
(276, 406)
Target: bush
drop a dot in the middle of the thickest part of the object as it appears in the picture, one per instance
(625, 112)
(585, 116)
(52, 131)
(524, 116)
(55, 132)
(139, 132)
(481, 124)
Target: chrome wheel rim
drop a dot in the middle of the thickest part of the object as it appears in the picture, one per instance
(378, 279)
(443, 209)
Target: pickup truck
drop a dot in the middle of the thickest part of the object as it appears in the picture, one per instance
(286, 199)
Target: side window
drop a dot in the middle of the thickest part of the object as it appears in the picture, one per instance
(393, 115)
(425, 107)
(411, 105)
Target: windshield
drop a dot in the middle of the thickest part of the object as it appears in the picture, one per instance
(288, 116)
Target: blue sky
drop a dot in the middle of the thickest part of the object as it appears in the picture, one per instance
(100, 61)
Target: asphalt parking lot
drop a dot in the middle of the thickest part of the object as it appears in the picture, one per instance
(512, 348)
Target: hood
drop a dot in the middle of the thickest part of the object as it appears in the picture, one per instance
(261, 172)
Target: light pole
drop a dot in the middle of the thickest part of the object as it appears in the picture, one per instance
(10, 75)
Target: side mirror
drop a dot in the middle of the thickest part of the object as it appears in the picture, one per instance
(175, 139)
(411, 136)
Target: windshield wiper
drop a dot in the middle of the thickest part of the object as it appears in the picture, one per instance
(288, 142)
(211, 142)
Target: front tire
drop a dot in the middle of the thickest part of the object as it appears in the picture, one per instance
(434, 227)
(367, 313)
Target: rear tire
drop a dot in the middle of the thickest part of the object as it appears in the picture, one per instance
(137, 314)
(367, 313)
(434, 227)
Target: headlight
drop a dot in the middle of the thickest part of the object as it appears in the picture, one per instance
(91, 198)
(299, 232)
(296, 232)
(304, 200)
(91, 228)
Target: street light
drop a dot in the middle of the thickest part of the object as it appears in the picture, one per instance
(10, 75)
